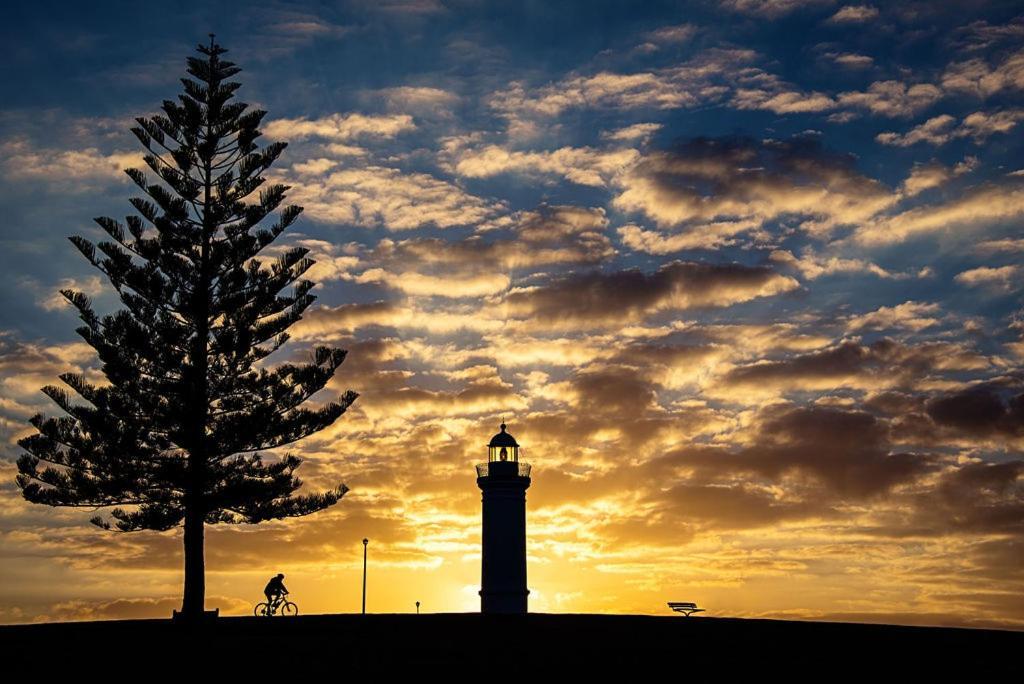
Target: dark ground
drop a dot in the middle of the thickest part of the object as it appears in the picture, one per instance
(635, 648)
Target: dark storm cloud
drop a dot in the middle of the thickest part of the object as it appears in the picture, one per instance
(371, 363)
(725, 506)
(847, 358)
(622, 393)
(739, 179)
(892, 403)
(546, 236)
(977, 498)
(631, 294)
(846, 451)
(980, 411)
(645, 355)
(882, 363)
(974, 480)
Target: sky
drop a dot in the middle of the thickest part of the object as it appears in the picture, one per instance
(743, 277)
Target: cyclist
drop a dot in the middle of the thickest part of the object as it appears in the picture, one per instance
(274, 591)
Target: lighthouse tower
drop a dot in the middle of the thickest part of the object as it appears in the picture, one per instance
(503, 481)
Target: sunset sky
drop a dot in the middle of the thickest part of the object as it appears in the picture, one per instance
(743, 277)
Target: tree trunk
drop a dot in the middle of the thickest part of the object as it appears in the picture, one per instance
(194, 600)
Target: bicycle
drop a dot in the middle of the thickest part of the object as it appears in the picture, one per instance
(280, 606)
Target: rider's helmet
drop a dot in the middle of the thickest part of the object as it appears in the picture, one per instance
(280, 576)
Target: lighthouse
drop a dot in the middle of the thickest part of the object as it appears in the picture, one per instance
(503, 481)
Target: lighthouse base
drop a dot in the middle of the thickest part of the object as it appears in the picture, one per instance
(503, 602)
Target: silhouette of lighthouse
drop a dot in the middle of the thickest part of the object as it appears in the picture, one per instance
(503, 481)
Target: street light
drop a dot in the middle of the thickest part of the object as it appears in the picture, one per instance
(365, 542)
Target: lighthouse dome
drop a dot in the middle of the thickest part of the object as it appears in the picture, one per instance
(503, 439)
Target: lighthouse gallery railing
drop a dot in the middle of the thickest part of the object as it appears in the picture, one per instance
(482, 469)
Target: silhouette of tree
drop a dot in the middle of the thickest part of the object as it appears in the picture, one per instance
(176, 435)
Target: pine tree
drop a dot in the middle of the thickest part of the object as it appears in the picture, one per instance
(176, 436)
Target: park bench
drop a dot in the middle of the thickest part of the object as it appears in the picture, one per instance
(686, 609)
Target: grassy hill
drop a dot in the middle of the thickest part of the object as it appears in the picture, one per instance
(472, 645)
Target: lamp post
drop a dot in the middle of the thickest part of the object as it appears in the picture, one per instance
(365, 542)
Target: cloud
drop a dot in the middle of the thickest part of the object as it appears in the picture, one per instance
(581, 165)
(420, 100)
(279, 31)
(722, 506)
(627, 91)
(892, 98)
(1003, 245)
(884, 363)
(980, 125)
(26, 367)
(976, 77)
(668, 35)
(974, 209)
(713, 76)
(640, 131)
(851, 60)
(380, 196)
(406, 7)
(940, 130)
(471, 399)
(76, 171)
(672, 366)
(91, 286)
(770, 8)
(697, 236)
(613, 391)
(549, 235)
(741, 179)
(812, 266)
(522, 350)
(340, 127)
(630, 295)
(456, 286)
(334, 322)
(936, 130)
(980, 34)
(1001, 279)
(757, 89)
(925, 177)
(306, 28)
(910, 315)
(979, 498)
(845, 451)
(137, 608)
(699, 80)
(785, 102)
(760, 90)
(854, 14)
(980, 411)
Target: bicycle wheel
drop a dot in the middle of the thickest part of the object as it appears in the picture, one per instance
(261, 609)
(289, 608)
